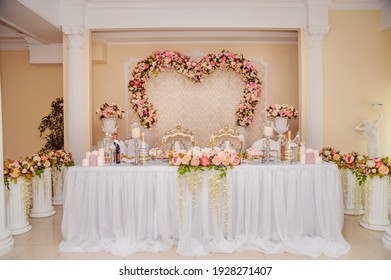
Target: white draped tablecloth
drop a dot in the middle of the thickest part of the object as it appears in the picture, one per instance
(269, 208)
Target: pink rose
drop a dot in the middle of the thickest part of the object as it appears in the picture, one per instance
(217, 160)
(349, 159)
(205, 161)
(235, 160)
(379, 164)
(176, 160)
(195, 161)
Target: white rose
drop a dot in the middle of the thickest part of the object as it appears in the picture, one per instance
(327, 153)
(196, 151)
(371, 163)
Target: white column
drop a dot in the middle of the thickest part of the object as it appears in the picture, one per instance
(77, 132)
(314, 118)
(6, 240)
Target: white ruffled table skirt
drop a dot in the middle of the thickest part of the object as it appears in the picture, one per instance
(271, 208)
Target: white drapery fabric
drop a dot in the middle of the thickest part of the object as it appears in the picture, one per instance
(201, 107)
(271, 209)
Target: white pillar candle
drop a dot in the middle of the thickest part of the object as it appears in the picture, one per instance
(101, 152)
(136, 132)
(88, 155)
(318, 160)
(302, 157)
(268, 131)
(85, 161)
(101, 160)
(95, 153)
(316, 153)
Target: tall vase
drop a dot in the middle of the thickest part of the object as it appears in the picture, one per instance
(376, 204)
(109, 125)
(18, 201)
(352, 193)
(58, 184)
(42, 195)
(281, 126)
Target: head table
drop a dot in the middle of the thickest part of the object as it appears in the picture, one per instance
(270, 208)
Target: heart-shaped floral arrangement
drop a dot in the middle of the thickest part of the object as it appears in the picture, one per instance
(196, 71)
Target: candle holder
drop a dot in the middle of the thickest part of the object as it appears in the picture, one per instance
(136, 152)
(136, 132)
(266, 150)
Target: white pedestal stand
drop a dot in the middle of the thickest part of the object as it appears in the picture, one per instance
(352, 194)
(17, 219)
(58, 184)
(376, 205)
(387, 238)
(42, 195)
(6, 240)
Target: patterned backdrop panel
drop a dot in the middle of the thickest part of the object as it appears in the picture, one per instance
(202, 107)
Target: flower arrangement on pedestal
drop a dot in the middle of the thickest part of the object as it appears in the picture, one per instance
(195, 71)
(109, 111)
(283, 111)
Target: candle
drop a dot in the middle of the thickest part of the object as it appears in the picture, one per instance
(318, 160)
(88, 155)
(309, 156)
(95, 153)
(316, 153)
(136, 132)
(84, 162)
(93, 160)
(302, 157)
(101, 152)
(268, 131)
(101, 160)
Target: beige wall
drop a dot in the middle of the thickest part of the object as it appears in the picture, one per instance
(27, 93)
(109, 84)
(357, 72)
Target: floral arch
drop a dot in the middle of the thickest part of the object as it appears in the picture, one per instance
(195, 71)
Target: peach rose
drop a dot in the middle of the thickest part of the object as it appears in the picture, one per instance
(217, 160)
(336, 157)
(226, 160)
(384, 170)
(14, 173)
(186, 159)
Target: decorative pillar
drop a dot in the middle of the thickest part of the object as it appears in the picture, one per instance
(314, 118)
(6, 240)
(75, 99)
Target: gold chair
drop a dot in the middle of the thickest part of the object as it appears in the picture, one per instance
(234, 138)
(184, 136)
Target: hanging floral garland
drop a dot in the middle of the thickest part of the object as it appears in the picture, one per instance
(195, 71)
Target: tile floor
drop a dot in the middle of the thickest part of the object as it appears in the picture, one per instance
(42, 242)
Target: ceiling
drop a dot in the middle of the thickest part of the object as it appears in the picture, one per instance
(21, 27)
